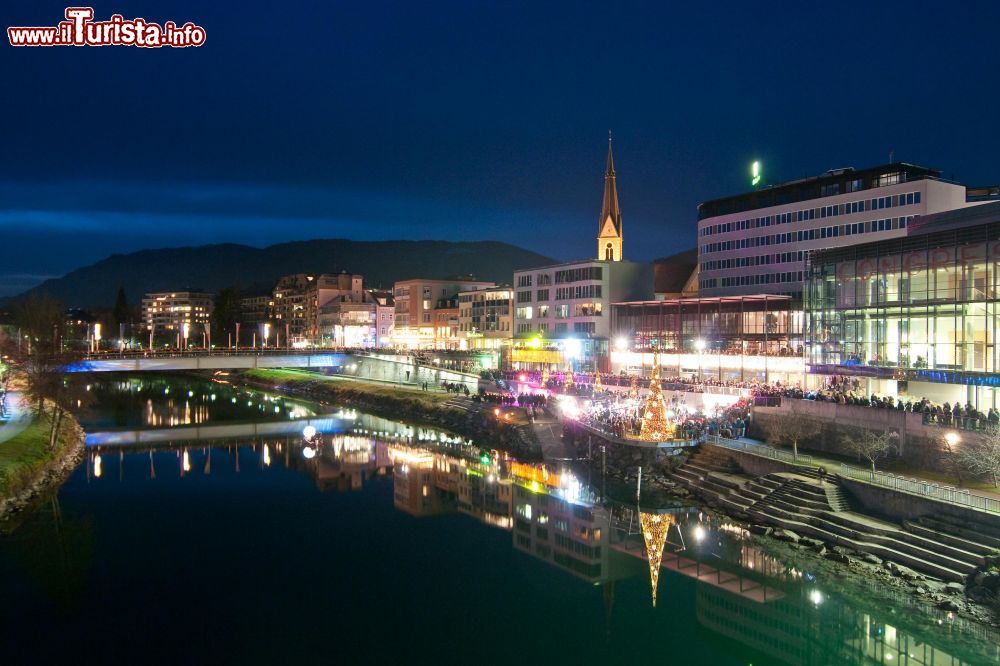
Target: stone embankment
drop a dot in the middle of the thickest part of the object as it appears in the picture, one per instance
(953, 565)
(47, 478)
(460, 415)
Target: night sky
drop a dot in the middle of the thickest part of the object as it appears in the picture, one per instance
(469, 120)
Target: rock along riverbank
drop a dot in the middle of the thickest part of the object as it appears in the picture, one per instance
(47, 478)
(470, 420)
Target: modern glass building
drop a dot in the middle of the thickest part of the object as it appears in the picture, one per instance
(734, 338)
(915, 316)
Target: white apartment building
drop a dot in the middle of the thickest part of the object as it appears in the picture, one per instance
(486, 317)
(562, 313)
(175, 310)
(758, 242)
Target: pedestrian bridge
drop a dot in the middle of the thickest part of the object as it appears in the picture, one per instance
(389, 368)
(214, 360)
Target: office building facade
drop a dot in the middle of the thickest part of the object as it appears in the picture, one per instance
(758, 242)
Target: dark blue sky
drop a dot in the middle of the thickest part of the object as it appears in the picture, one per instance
(469, 119)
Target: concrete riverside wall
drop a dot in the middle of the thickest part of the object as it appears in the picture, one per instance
(918, 444)
(898, 505)
(887, 503)
(752, 464)
(388, 368)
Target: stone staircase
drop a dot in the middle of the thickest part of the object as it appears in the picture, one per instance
(462, 403)
(821, 510)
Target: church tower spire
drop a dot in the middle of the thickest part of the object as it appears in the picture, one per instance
(609, 235)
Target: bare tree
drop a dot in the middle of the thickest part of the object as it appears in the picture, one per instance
(790, 430)
(948, 459)
(981, 455)
(41, 320)
(872, 446)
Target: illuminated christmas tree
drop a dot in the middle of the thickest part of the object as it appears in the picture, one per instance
(569, 378)
(656, 427)
(545, 377)
(633, 391)
(654, 532)
(598, 387)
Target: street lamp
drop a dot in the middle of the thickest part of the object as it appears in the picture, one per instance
(699, 345)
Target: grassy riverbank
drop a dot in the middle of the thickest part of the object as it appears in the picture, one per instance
(26, 454)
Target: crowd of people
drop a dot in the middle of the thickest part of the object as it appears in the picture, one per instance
(622, 417)
(847, 391)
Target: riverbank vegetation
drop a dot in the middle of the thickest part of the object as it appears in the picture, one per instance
(27, 454)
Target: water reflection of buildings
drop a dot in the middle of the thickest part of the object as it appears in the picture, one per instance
(802, 624)
(741, 591)
(349, 461)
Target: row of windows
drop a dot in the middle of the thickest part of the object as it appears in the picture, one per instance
(565, 542)
(878, 203)
(486, 326)
(886, 224)
(578, 274)
(561, 311)
(759, 260)
(561, 327)
(758, 278)
(582, 291)
(563, 293)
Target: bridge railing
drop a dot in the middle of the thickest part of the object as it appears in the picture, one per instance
(193, 353)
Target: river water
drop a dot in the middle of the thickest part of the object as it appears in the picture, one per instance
(202, 528)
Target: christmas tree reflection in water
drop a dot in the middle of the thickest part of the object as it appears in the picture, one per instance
(655, 527)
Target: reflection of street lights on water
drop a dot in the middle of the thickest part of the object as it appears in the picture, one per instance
(699, 533)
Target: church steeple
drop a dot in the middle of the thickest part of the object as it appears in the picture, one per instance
(609, 234)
